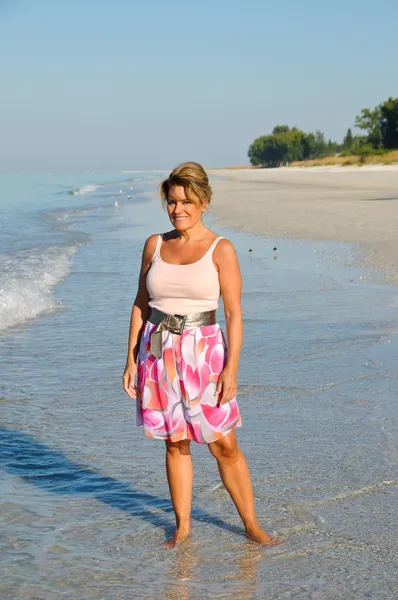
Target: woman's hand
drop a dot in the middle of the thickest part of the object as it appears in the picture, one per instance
(227, 385)
(128, 379)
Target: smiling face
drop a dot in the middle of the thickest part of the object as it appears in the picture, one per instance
(183, 212)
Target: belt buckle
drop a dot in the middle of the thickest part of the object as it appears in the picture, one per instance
(175, 323)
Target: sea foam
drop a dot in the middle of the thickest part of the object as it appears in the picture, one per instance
(28, 278)
(86, 189)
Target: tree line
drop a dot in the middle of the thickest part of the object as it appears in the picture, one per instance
(286, 144)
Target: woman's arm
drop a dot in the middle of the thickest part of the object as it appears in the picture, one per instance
(139, 314)
(230, 279)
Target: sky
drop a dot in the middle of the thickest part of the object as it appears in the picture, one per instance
(98, 85)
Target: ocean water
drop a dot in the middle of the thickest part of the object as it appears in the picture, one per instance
(84, 499)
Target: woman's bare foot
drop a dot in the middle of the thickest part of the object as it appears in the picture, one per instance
(258, 535)
(179, 536)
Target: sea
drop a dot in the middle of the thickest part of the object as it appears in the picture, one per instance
(84, 503)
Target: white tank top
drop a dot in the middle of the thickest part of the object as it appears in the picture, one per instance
(183, 289)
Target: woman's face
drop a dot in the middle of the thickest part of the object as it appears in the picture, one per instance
(183, 213)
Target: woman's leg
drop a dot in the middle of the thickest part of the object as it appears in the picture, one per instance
(235, 476)
(180, 477)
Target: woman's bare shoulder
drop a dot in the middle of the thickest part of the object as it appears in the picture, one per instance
(150, 246)
(224, 246)
(224, 253)
(151, 241)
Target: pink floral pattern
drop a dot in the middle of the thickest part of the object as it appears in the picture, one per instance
(176, 393)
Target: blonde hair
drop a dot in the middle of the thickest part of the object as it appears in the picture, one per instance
(192, 177)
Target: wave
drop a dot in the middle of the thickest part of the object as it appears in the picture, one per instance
(86, 189)
(28, 278)
(128, 182)
(69, 214)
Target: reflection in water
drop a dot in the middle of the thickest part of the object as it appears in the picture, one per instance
(191, 577)
(247, 574)
(180, 580)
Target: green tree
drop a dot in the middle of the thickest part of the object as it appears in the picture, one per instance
(282, 146)
(277, 150)
(309, 146)
(287, 144)
(348, 140)
(333, 147)
(256, 151)
(389, 123)
(320, 147)
(315, 146)
(369, 120)
(281, 129)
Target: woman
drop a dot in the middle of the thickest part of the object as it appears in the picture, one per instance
(186, 384)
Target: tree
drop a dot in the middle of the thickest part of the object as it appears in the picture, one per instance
(315, 146)
(281, 129)
(309, 146)
(348, 140)
(369, 120)
(282, 146)
(320, 146)
(333, 147)
(277, 150)
(389, 123)
(256, 151)
(287, 144)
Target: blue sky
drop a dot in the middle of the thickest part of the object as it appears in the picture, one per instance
(101, 85)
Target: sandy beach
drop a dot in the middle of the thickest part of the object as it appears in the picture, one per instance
(350, 204)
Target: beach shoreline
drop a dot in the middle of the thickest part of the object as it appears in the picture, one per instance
(317, 391)
(345, 204)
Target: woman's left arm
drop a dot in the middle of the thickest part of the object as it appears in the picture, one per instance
(230, 279)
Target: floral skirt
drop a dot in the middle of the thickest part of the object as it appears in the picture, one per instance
(176, 399)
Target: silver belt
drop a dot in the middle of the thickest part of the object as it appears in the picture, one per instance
(176, 324)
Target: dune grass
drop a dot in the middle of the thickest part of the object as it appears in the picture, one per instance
(377, 159)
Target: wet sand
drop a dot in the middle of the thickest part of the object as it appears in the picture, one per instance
(349, 204)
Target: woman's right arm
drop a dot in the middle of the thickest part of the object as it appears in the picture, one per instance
(139, 314)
